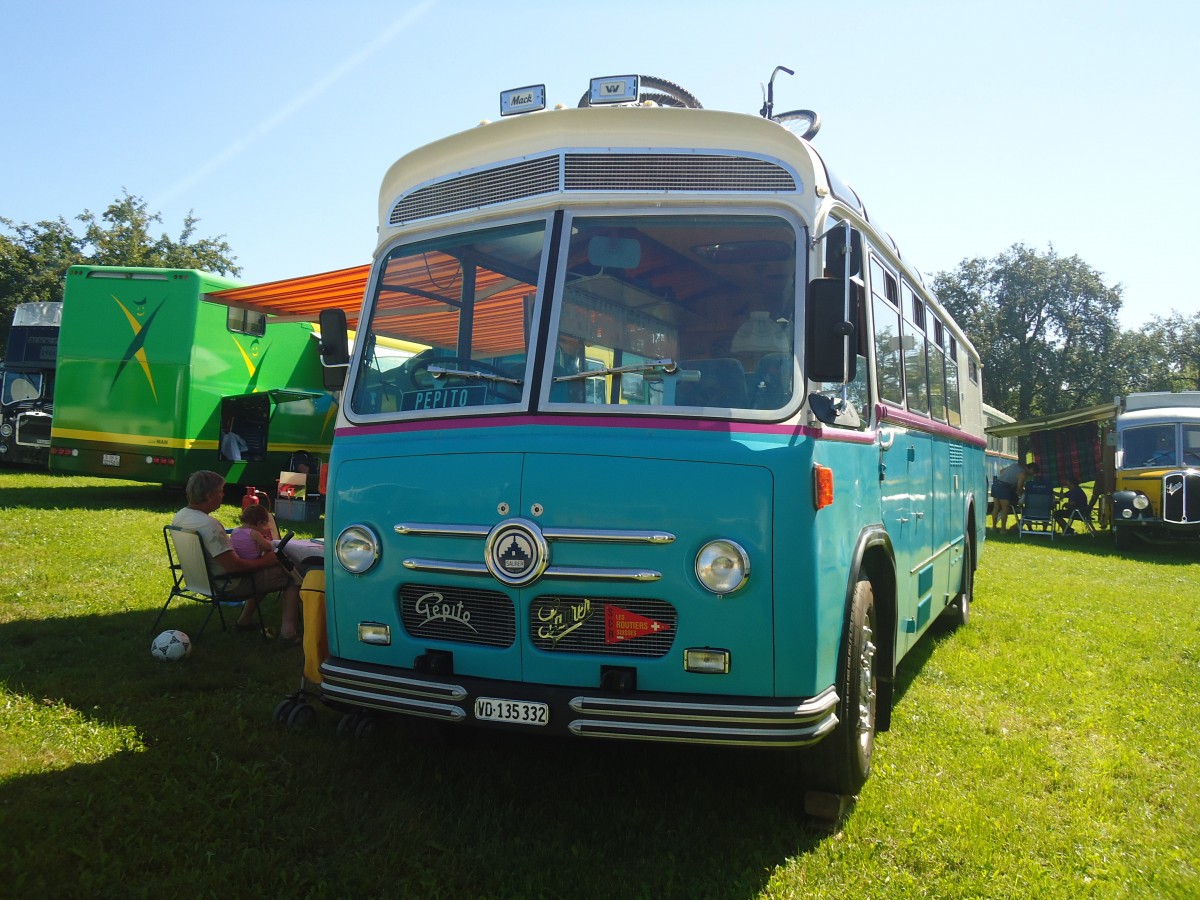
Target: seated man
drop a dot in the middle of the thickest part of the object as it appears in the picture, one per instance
(1076, 501)
(205, 493)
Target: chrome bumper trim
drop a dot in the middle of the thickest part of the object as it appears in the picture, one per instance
(639, 717)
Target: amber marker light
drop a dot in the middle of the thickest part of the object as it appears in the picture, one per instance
(822, 486)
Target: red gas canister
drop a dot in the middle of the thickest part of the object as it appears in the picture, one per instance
(252, 497)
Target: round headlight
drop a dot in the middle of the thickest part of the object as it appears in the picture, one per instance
(1141, 501)
(357, 549)
(722, 566)
(5, 429)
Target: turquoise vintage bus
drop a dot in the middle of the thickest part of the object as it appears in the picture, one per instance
(689, 452)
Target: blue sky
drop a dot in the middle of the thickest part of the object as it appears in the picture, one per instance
(965, 126)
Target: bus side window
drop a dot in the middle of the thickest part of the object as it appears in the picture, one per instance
(888, 356)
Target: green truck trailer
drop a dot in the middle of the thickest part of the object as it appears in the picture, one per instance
(158, 377)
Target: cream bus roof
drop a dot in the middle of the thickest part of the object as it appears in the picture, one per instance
(599, 128)
(1161, 400)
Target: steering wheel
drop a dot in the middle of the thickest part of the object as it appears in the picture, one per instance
(418, 373)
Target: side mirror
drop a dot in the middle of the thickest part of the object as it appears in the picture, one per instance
(335, 348)
(828, 337)
(836, 254)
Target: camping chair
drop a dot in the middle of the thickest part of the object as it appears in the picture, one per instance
(194, 579)
(1066, 520)
(1037, 511)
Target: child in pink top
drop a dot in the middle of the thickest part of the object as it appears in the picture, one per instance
(253, 539)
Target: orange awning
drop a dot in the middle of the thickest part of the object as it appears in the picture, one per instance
(302, 299)
(419, 302)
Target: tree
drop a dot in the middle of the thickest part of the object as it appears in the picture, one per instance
(1168, 354)
(34, 258)
(1045, 326)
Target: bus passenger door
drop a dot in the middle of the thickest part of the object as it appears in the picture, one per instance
(906, 487)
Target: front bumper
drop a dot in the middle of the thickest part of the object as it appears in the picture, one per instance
(686, 718)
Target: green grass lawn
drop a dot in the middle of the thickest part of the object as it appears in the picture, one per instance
(1047, 750)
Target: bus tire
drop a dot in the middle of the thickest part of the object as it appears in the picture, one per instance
(841, 762)
(958, 611)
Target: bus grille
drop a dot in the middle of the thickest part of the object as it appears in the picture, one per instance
(605, 626)
(500, 184)
(462, 615)
(1181, 498)
(33, 429)
(673, 172)
(618, 172)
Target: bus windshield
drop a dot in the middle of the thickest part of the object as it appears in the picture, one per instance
(465, 304)
(651, 313)
(682, 311)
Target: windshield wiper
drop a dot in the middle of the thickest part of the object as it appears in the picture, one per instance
(669, 367)
(440, 371)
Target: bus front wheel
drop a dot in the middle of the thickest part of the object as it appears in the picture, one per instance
(840, 763)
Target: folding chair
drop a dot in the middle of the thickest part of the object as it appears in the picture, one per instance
(1068, 524)
(1037, 511)
(194, 579)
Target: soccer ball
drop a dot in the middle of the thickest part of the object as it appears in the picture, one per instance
(171, 645)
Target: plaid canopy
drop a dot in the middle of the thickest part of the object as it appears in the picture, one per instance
(1067, 453)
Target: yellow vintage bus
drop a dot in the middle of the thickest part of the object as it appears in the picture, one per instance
(1157, 495)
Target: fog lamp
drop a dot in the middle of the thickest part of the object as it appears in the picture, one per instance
(706, 661)
(375, 633)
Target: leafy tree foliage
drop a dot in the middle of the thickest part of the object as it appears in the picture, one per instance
(34, 258)
(1166, 354)
(1046, 328)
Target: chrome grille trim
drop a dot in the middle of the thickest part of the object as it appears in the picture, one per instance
(601, 535)
(684, 170)
(601, 574)
(577, 535)
(479, 531)
(445, 565)
(457, 567)
(551, 534)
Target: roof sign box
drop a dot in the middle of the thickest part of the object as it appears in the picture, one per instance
(615, 89)
(523, 100)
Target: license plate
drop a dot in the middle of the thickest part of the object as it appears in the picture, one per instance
(111, 459)
(519, 712)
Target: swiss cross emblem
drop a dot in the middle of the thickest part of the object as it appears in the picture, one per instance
(623, 625)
